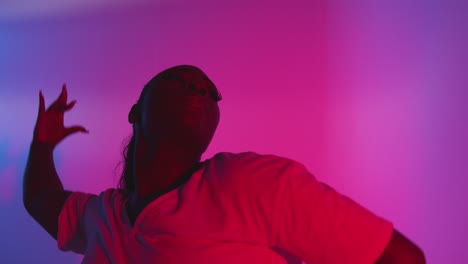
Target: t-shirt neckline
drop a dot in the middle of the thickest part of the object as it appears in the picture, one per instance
(156, 201)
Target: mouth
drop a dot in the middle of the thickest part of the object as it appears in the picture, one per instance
(193, 110)
(194, 104)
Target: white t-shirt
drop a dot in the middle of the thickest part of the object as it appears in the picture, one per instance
(235, 209)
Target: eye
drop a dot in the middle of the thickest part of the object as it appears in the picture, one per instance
(192, 87)
(202, 91)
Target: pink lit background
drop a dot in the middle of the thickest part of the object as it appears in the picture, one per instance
(369, 95)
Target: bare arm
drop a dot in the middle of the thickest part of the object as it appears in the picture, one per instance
(43, 193)
(402, 251)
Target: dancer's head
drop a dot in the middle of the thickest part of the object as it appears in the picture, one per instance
(177, 108)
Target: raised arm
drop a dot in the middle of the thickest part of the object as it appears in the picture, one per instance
(43, 193)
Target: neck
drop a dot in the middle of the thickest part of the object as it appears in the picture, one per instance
(156, 171)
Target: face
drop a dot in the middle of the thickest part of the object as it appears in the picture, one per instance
(181, 106)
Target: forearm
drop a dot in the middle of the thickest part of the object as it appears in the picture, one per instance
(401, 250)
(40, 173)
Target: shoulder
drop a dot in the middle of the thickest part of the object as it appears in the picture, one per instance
(253, 165)
(108, 198)
(250, 158)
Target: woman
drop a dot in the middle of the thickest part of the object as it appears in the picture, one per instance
(172, 207)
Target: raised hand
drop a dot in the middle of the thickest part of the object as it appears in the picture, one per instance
(49, 127)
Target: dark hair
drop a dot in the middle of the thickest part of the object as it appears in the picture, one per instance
(126, 180)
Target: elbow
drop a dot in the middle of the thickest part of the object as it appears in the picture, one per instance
(412, 255)
(402, 251)
(27, 199)
(419, 257)
(27, 203)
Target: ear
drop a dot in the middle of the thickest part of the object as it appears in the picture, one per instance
(134, 114)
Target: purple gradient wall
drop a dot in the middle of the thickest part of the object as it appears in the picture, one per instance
(369, 95)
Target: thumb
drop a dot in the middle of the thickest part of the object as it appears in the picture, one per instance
(74, 129)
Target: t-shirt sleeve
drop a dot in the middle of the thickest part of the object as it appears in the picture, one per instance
(71, 232)
(319, 225)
